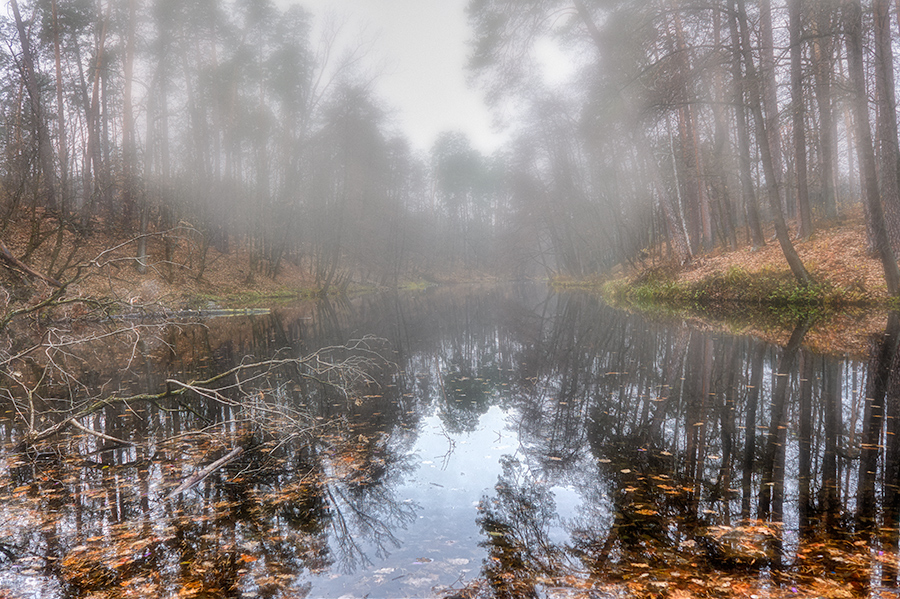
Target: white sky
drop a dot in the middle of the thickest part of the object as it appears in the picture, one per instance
(420, 50)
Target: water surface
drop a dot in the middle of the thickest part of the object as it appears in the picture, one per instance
(503, 441)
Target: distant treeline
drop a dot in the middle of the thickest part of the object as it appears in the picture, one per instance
(133, 116)
(686, 126)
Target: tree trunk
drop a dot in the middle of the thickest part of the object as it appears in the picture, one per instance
(61, 120)
(891, 499)
(700, 224)
(723, 157)
(823, 57)
(859, 104)
(772, 180)
(798, 120)
(45, 151)
(129, 151)
(829, 496)
(880, 361)
(886, 125)
(674, 222)
(804, 449)
(752, 404)
(769, 96)
(751, 206)
(771, 486)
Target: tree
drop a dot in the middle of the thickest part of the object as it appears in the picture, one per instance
(763, 135)
(852, 14)
(822, 64)
(29, 74)
(798, 119)
(742, 128)
(769, 96)
(886, 122)
(462, 181)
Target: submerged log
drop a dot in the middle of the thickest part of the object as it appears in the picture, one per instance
(197, 477)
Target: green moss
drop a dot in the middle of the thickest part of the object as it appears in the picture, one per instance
(247, 299)
(418, 285)
(568, 282)
(769, 289)
(739, 299)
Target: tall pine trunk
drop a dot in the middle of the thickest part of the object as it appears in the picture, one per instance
(745, 169)
(886, 124)
(769, 95)
(798, 121)
(45, 150)
(772, 180)
(823, 57)
(852, 13)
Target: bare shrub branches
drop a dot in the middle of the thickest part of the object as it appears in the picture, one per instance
(255, 392)
(99, 265)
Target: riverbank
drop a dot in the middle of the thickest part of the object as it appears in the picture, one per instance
(183, 271)
(743, 291)
(752, 291)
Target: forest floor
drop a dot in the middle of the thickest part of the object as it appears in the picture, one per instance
(751, 291)
(179, 273)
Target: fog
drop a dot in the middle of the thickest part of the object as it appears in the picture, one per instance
(418, 49)
(389, 141)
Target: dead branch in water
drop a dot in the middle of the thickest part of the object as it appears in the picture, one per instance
(198, 477)
(342, 374)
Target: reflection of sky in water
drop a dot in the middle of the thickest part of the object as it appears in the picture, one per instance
(567, 503)
(441, 547)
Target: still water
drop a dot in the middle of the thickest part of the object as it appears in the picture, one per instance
(477, 442)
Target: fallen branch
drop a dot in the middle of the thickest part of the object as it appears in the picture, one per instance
(317, 368)
(197, 386)
(198, 477)
(100, 435)
(90, 408)
(14, 262)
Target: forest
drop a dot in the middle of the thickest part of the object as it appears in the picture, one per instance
(376, 432)
(688, 126)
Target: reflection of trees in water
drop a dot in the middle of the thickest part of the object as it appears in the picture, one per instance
(686, 448)
(517, 524)
(316, 494)
(86, 511)
(364, 509)
(467, 392)
(716, 453)
(257, 525)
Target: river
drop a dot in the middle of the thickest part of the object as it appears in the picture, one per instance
(497, 441)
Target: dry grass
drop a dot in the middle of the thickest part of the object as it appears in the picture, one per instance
(175, 283)
(836, 255)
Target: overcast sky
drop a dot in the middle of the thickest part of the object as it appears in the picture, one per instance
(420, 50)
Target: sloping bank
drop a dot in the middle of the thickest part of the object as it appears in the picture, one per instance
(749, 291)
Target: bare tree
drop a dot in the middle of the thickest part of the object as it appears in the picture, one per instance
(852, 14)
(886, 122)
(762, 131)
(798, 119)
(29, 74)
